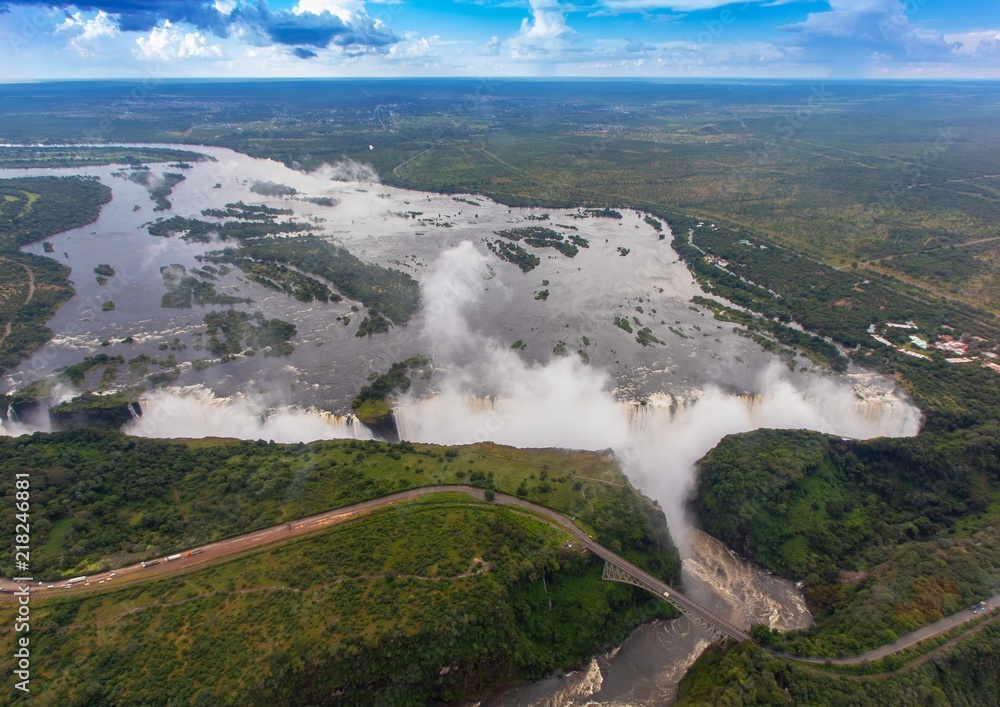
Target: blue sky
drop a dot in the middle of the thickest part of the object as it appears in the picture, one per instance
(628, 38)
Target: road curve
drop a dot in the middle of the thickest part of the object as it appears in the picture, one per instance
(240, 544)
(909, 640)
(243, 544)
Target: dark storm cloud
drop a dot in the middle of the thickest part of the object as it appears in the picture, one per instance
(279, 27)
(303, 53)
(143, 15)
(322, 30)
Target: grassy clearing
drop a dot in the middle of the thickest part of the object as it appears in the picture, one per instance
(375, 610)
(131, 499)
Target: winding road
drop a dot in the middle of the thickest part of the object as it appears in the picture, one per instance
(199, 558)
(911, 639)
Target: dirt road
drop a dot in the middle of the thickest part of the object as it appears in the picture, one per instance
(198, 558)
(911, 639)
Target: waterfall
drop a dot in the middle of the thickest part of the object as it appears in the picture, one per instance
(12, 414)
(836, 409)
(358, 429)
(195, 412)
(134, 411)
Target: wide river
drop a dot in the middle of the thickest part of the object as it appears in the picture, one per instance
(659, 407)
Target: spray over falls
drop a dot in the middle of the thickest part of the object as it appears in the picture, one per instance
(195, 412)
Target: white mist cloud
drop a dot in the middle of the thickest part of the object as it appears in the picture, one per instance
(488, 392)
(195, 413)
(347, 171)
(36, 418)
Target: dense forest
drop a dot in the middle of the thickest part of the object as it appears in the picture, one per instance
(966, 674)
(887, 535)
(34, 156)
(32, 209)
(373, 403)
(102, 499)
(390, 295)
(454, 598)
(429, 601)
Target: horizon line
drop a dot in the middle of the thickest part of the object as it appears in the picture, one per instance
(554, 79)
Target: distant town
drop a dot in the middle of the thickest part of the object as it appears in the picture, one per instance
(954, 349)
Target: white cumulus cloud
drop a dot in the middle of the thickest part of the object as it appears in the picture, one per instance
(346, 10)
(169, 42)
(86, 34)
(544, 32)
(416, 48)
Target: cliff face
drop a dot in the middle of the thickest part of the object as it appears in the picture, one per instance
(104, 412)
(110, 417)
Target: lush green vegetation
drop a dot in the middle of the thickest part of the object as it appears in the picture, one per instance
(513, 253)
(183, 290)
(160, 187)
(34, 156)
(846, 184)
(438, 600)
(787, 287)
(78, 372)
(542, 237)
(118, 499)
(246, 333)
(192, 229)
(887, 534)
(247, 212)
(768, 332)
(604, 213)
(372, 404)
(34, 208)
(726, 157)
(623, 324)
(646, 337)
(31, 209)
(965, 674)
(90, 410)
(391, 296)
(277, 277)
(272, 189)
